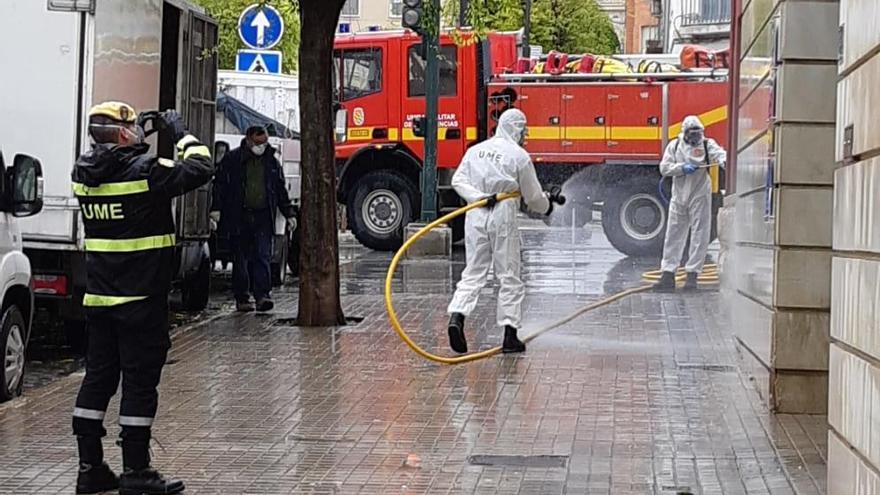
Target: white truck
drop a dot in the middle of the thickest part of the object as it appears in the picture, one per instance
(152, 54)
(21, 195)
(270, 100)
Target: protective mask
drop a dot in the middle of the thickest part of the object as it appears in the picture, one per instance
(523, 136)
(693, 137)
(136, 136)
(259, 149)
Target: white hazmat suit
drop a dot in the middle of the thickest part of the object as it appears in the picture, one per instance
(690, 208)
(498, 165)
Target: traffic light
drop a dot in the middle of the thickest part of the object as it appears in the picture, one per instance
(412, 14)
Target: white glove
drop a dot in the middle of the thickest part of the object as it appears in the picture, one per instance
(291, 223)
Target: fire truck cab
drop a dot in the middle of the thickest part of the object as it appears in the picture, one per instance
(600, 136)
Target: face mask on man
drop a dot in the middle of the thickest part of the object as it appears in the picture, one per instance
(259, 149)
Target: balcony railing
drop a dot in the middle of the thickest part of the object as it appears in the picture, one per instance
(705, 12)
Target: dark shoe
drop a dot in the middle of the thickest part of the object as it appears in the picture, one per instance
(457, 340)
(95, 479)
(147, 482)
(691, 282)
(666, 283)
(244, 306)
(511, 342)
(264, 305)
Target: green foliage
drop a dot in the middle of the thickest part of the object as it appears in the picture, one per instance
(573, 26)
(227, 12)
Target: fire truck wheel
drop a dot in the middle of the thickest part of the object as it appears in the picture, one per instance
(634, 218)
(383, 203)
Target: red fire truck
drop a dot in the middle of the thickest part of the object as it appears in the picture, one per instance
(598, 135)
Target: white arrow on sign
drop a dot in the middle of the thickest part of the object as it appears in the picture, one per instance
(261, 22)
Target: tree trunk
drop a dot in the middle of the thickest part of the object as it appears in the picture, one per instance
(319, 303)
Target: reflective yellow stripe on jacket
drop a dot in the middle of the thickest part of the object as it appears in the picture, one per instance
(95, 300)
(130, 245)
(200, 150)
(112, 188)
(189, 145)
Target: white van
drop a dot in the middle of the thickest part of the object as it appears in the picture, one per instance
(21, 195)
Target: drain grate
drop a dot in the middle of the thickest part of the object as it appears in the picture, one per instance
(721, 368)
(534, 461)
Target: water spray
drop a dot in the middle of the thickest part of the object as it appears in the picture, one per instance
(710, 275)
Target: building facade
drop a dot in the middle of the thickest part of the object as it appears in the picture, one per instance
(362, 15)
(641, 25)
(781, 293)
(854, 361)
(702, 22)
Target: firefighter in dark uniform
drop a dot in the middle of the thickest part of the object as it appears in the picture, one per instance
(125, 195)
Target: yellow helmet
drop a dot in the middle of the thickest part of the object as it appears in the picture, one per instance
(118, 111)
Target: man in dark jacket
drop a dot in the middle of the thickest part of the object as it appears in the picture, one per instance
(248, 189)
(125, 195)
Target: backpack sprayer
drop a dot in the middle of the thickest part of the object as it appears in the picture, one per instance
(709, 275)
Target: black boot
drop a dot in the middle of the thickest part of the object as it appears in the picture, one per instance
(94, 474)
(147, 481)
(511, 342)
(457, 340)
(691, 282)
(139, 478)
(98, 478)
(666, 283)
(265, 304)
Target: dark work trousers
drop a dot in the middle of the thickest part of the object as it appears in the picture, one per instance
(251, 269)
(130, 340)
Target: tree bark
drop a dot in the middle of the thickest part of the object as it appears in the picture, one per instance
(319, 303)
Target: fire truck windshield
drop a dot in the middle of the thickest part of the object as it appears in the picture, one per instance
(360, 71)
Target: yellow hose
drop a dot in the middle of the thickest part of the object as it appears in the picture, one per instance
(709, 275)
(710, 272)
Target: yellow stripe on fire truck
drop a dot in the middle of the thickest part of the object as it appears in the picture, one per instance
(552, 133)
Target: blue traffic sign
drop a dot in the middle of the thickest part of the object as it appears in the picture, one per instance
(260, 27)
(258, 61)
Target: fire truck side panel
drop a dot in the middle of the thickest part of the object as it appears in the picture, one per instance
(707, 100)
(542, 105)
(585, 119)
(634, 122)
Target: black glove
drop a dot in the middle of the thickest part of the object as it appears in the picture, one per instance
(491, 201)
(172, 120)
(556, 196)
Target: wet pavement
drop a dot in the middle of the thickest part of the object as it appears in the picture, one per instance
(640, 397)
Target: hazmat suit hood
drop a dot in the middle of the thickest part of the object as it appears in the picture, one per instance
(105, 161)
(692, 130)
(512, 126)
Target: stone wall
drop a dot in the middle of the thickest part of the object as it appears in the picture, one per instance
(854, 374)
(784, 199)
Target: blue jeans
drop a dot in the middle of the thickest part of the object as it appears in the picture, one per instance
(251, 269)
